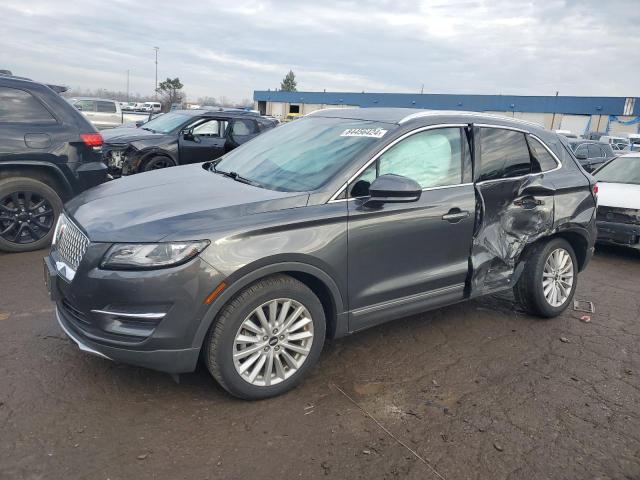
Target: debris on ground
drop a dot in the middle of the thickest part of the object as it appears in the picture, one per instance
(628, 371)
(498, 447)
(564, 339)
(366, 452)
(142, 456)
(585, 318)
(584, 306)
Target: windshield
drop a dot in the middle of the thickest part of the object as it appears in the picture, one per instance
(302, 155)
(620, 170)
(167, 122)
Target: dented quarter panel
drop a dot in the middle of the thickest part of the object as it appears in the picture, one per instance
(564, 203)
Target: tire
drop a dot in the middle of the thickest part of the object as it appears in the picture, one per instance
(157, 162)
(530, 291)
(29, 210)
(221, 341)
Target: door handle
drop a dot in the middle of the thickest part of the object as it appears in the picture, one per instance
(455, 215)
(527, 202)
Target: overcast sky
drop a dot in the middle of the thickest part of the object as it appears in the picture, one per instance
(230, 48)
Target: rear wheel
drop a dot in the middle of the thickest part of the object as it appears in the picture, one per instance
(266, 339)
(29, 210)
(549, 281)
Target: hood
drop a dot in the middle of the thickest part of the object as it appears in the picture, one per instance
(620, 195)
(128, 135)
(150, 206)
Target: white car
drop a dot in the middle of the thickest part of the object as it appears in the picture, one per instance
(618, 217)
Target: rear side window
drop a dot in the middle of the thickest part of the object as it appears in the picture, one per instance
(503, 154)
(541, 160)
(243, 127)
(85, 105)
(594, 151)
(18, 106)
(106, 107)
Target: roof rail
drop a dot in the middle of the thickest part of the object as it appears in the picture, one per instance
(429, 113)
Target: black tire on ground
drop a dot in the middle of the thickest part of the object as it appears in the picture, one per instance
(529, 292)
(156, 163)
(35, 236)
(219, 346)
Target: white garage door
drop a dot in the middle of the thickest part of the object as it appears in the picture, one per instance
(531, 117)
(575, 123)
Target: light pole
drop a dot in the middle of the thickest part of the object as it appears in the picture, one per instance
(127, 85)
(155, 91)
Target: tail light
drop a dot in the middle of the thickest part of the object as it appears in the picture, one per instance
(92, 139)
(594, 189)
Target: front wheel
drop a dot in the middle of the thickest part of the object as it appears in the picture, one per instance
(549, 281)
(266, 339)
(156, 163)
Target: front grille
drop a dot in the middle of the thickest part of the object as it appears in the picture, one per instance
(618, 215)
(70, 243)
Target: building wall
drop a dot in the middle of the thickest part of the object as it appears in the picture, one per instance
(578, 124)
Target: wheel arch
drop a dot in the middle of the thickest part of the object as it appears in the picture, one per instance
(320, 283)
(44, 172)
(577, 238)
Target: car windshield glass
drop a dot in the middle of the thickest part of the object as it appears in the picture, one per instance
(620, 170)
(166, 123)
(303, 155)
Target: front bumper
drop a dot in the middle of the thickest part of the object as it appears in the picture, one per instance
(622, 234)
(170, 361)
(146, 318)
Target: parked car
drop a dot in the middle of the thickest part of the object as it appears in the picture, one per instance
(128, 106)
(154, 107)
(591, 153)
(49, 152)
(325, 226)
(104, 113)
(622, 143)
(179, 137)
(618, 217)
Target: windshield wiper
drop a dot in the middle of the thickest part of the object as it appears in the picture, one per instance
(235, 176)
(148, 129)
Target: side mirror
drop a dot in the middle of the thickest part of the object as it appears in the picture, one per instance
(392, 188)
(581, 156)
(188, 135)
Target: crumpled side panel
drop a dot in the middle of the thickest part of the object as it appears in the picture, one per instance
(511, 214)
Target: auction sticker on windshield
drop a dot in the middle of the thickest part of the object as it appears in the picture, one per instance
(364, 132)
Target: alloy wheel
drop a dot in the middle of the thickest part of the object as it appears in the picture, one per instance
(273, 342)
(25, 217)
(557, 277)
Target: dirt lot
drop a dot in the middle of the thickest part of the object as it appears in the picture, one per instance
(476, 391)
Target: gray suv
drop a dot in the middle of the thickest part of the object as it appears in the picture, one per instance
(331, 224)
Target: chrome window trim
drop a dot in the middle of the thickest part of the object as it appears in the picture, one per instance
(555, 157)
(424, 190)
(334, 198)
(147, 316)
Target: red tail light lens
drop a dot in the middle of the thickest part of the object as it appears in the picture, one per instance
(595, 189)
(92, 139)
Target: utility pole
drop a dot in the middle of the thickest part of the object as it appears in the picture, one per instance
(127, 84)
(422, 89)
(555, 107)
(155, 91)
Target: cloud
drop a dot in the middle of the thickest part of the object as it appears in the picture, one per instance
(218, 48)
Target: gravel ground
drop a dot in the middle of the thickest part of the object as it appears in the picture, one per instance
(473, 391)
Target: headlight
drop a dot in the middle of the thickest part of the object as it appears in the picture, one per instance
(133, 256)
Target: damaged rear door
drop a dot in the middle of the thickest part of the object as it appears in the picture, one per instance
(514, 204)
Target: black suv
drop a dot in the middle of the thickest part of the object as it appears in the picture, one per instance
(180, 137)
(49, 152)
(336, 222)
